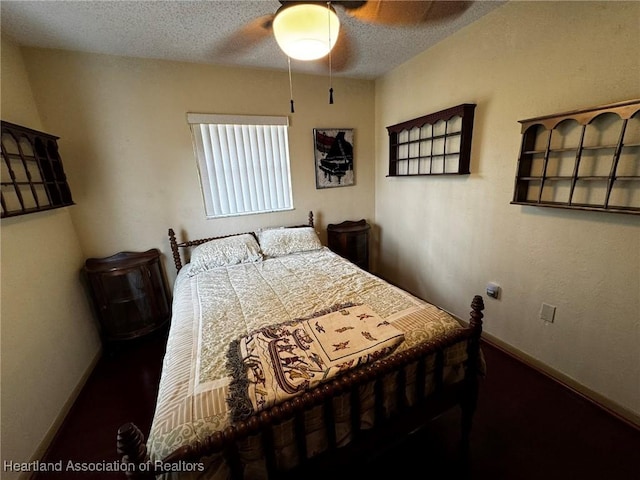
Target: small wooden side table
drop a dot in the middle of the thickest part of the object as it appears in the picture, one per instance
(351, 240)
(129, 294)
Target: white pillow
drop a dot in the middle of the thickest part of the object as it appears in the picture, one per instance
(276, 242)
(225, 251)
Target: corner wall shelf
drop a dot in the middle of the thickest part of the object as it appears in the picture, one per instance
(582, 160)
(32, 177)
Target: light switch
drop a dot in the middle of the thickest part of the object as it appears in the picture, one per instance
(547, 312)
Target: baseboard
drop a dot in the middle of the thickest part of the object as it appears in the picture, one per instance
(624, 414)
(47, 441)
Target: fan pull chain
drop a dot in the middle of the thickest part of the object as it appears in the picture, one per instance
(330, 78)
(290, 86)
(330, 82)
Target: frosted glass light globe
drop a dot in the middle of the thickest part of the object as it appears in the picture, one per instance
(306, 31)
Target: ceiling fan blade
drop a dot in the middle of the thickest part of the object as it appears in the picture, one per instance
(349, 5)
(401, 12)
(343, 3)
(342, 53)
(246, 38)
(441, 11)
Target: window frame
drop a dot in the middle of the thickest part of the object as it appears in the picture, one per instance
(243, 163)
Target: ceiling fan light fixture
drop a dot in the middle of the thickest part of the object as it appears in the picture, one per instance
(306, 31)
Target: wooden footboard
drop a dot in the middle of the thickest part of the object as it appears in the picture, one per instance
(407, 416)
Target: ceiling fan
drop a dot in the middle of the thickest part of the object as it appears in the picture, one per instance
(396, 13)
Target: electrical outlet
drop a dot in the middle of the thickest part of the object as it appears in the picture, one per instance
(493, 290)
(547, 312)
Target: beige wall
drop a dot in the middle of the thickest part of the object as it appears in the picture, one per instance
(128, 152)
(49, 339)
(445, 238)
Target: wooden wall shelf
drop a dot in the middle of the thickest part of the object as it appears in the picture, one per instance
(435, 144)
(33, 179)
(582, 160)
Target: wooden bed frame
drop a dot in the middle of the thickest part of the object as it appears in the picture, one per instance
(386, 429)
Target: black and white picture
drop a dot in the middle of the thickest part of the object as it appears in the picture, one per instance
(333, 148)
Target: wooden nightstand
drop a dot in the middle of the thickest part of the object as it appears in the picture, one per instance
(129, 293)
(351, 240)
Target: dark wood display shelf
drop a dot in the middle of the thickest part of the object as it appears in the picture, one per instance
(33, 179)
(435, 144)
(582, 160)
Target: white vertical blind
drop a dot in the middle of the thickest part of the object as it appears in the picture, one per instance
(243, 162)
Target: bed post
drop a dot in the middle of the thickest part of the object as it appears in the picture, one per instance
(311, 218)
(471, 380)
(131, 447)
(174, 250)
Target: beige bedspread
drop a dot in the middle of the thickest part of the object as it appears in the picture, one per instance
(215, 307)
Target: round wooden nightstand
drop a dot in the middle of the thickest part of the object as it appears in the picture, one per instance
(129, 294)
(351, 240)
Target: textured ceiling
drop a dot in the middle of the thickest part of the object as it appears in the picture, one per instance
(216, 32)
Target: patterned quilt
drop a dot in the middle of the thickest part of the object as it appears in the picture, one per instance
(277, 362)
(214, 308)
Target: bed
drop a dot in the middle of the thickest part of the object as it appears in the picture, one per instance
(283, 358)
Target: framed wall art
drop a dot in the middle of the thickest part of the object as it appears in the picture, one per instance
(333, 151)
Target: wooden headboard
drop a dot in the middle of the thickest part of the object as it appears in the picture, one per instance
(175, 246)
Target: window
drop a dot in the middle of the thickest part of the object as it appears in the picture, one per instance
(33, 179)
(243, 163)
